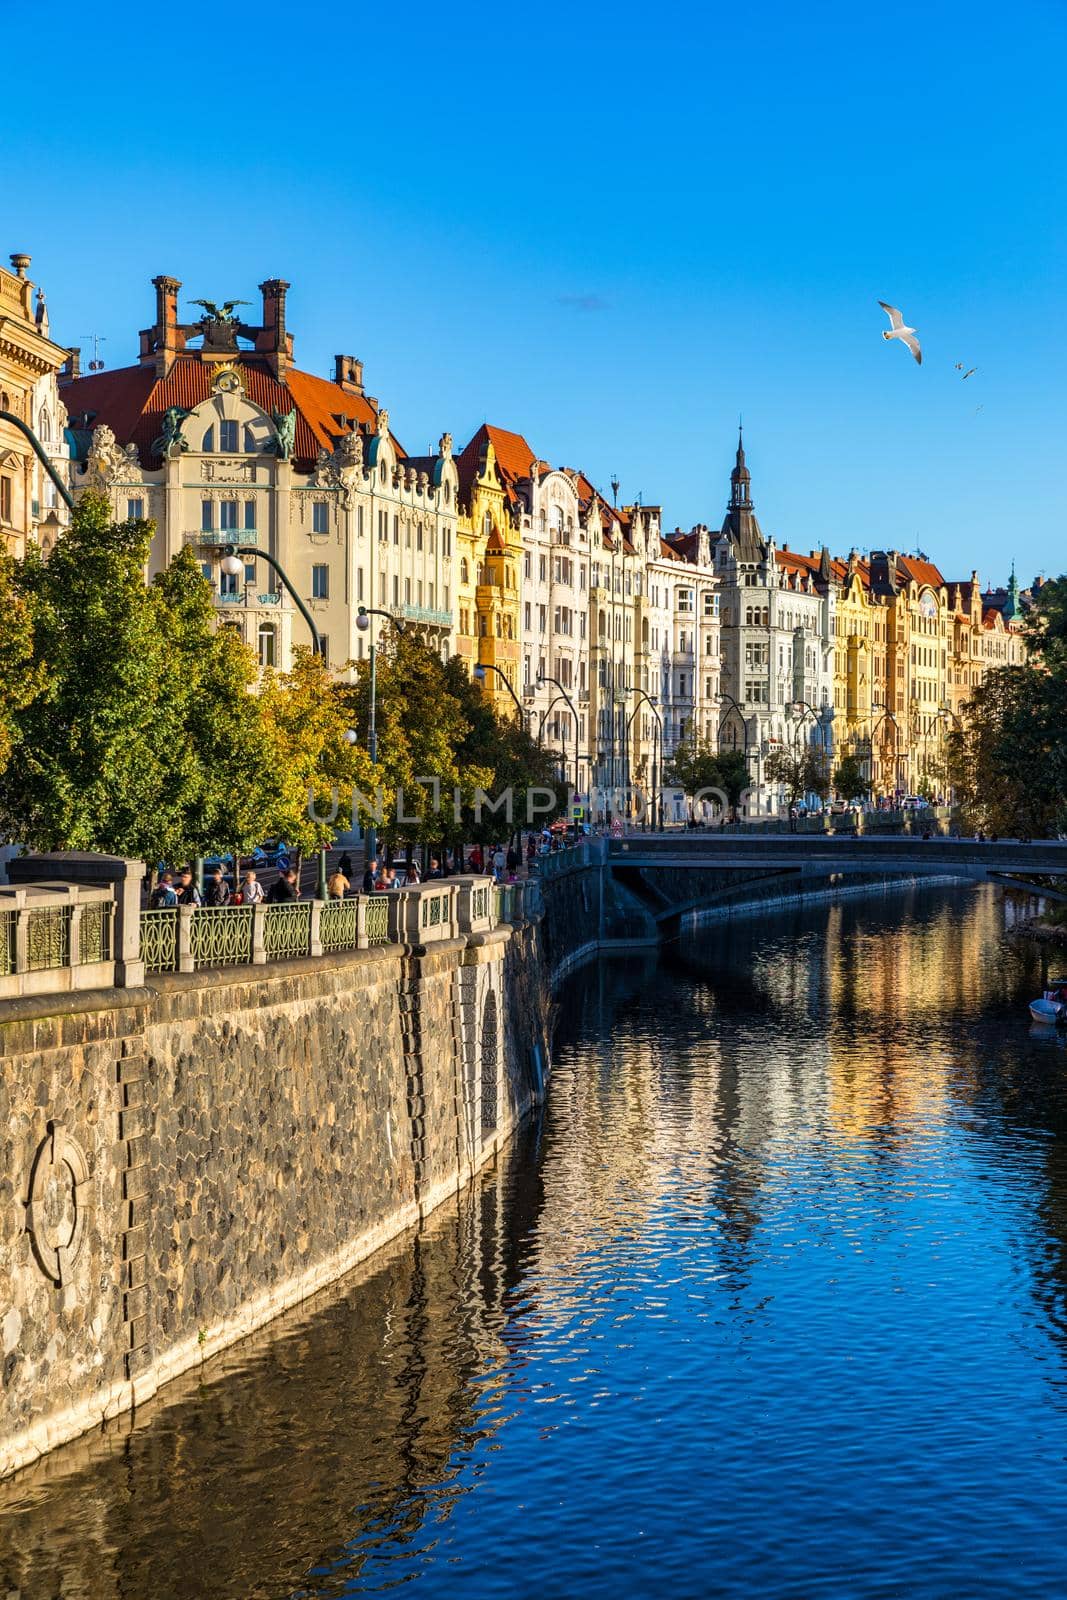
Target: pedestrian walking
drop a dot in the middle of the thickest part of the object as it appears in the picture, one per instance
(414, 875)
(164, 895)
(217, 892)
(435, 869)
(345, 865)
(251, 890)
(188, 893)
(370, 876)
(284, 890)
(337, 885)
(500, 862)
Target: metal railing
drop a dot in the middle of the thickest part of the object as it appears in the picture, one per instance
(8, 925)
(377, 914)
(159, 939)
(48, 939)
(339, 925)
(220, 936)
(94, 931)
(287, 931)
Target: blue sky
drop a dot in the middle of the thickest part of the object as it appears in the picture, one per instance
(613, 228)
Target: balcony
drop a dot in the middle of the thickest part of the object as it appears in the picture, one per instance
(216, 536)
(437, 619)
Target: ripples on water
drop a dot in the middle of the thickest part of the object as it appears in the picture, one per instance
(770, 1304)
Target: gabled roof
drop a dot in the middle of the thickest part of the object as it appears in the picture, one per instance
(514, 458)
(132, 401)
(920, 571)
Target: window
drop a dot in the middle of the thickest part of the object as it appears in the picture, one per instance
(250, 440)
(250, 516)
(208, 441)
(134, 510)
(227, 434)
(267, 644)
(205, 568)
(320, 517)
(685, 599)
(396, 528)
(228, 515)
(228, 583)
(359, 583)
(396, 590)
(250, 574)
(207, 516)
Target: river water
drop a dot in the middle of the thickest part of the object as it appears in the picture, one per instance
(769, 1302)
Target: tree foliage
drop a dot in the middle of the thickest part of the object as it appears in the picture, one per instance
(850, 780)
(800, 772)
(697, 766)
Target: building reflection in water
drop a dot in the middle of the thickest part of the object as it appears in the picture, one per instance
(724, 1125)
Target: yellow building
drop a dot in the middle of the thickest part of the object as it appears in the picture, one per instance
(489, 542)
(913, 628)
(29, 362)
(855, 680)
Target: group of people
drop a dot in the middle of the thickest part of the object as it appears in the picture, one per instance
(503, 861)
(182, 890)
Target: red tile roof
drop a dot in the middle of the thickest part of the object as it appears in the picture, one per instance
(920, 571)
(132, 401)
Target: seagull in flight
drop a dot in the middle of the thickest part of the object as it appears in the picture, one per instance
(967, 374)
(898, 329)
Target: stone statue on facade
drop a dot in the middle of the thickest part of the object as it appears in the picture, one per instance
(284, 433)
(219, 325)
(444, 446)
(108, 461)
(171, 441)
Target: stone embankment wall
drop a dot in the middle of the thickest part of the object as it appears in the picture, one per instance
(180, 1163)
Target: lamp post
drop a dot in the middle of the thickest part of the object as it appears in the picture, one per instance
(543, 678)
(656, 748)
(41, 454)
(363, 616)
(480, 671)
(233, 566)
(886, 713)
(731, 703)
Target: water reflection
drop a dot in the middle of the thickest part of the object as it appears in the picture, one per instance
(772, 1302)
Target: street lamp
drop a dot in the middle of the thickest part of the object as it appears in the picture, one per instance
(233, 566)
(543, 678)
(363, 616)
(41, 454)
(657, 749)
(480, 671)
(886, 713)
(729, 700)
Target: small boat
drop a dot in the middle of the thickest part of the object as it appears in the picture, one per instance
(1051, 1009)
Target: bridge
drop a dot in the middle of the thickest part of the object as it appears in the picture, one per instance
(671, 874)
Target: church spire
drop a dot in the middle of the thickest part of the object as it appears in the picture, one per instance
(740, 477)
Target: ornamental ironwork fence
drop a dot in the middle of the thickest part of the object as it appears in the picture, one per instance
(48, 938)
(287, 931)
(159, 939)
(94, 931)
(378, 919)
(221, 936)
(339, 925)
(8, 924)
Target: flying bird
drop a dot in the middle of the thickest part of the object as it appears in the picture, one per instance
(967, 374)
(898, 329)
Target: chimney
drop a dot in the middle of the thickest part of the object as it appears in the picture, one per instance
(348, 373)
(272, 340)
(165, 339)
(72, 367)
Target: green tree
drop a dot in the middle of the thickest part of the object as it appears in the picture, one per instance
(800, 772)
(499, 756)
(1008, 764)
(696, 765)
(20, 672)
(307, 716)
(850, 780)
(140, 737)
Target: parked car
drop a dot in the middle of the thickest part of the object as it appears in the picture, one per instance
(914, 802)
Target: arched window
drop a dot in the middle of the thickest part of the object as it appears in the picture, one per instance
(268, 639)
(383, 472)
(543, 520)
(487, 524)
(207, 444)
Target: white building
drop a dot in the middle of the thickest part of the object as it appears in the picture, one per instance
(221, 440)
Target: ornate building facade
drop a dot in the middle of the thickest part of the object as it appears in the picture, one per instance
(219, 438)
(30, 508)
